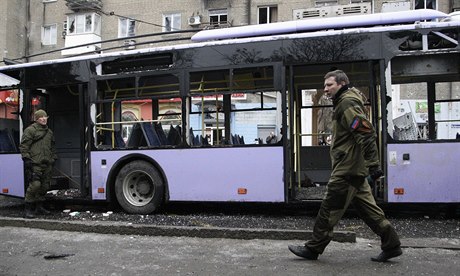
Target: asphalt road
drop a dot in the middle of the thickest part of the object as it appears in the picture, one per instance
(58, 246)
(27, 251)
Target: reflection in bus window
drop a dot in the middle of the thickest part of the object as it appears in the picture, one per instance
(411, 107)
(447, 110)
(409, 111)
(9, 121)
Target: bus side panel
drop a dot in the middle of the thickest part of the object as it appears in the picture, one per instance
(211, 174)
(423, 172)
(11, 175)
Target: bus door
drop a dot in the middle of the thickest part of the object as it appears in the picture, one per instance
(63, 105)
(68, 104)
(423, 149)
(11, 166)
(311, 122)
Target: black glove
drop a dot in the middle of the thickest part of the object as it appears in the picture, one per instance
(375, 172)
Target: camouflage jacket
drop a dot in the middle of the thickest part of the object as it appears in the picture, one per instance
(353, 148)
(38, 144)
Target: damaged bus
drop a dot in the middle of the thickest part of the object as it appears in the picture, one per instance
(190, 122)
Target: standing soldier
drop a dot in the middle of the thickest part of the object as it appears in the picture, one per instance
(38, 152)
(354, 156)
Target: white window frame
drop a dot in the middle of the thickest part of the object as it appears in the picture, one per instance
(48, 1)
(126, 27)
(219, 13)
(424, 4)
(322, 3)
(267, 8)
(81, 25)
(174, 24)
(49, 34)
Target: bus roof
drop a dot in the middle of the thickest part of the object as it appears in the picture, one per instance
(231, 41)
(320, 24)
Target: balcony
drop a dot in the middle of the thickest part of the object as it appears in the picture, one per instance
(84, 5)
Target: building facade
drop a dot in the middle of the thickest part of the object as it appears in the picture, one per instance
(48, 29)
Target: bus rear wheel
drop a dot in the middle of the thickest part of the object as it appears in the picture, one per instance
(139, 188)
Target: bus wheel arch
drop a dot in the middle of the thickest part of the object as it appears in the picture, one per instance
(138, 184)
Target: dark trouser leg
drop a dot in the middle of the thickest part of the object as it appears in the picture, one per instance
(338, 197)
(39, 184)
(29, 210)
(374, 217)
(45, 179)
(33, 191)
(40, 190)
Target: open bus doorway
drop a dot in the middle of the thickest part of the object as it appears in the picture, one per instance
(62, 105)
(311, 121)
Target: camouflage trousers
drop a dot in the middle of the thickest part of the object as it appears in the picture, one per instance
(39, 177)
(341, 192)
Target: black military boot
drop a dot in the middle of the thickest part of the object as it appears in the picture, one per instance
(304, 252)
(387, 254)
(41, 210)
(29, 210)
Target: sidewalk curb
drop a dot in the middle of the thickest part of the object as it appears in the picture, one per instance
(438, 243)
(110, 227)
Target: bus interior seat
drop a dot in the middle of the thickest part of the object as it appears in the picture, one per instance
(237, 140)
(136, 138)
(234, 139)
(174, 135)
(150, 135)
(199, 140)
(119, 142)
(194, 140)
(161, 133)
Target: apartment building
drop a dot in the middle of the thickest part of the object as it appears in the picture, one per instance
(48, 29)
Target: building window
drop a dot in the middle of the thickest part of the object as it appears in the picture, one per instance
(267, 14)
(171, 22)
(126, 27)
(84, 23)
(322, 3)
(218, 17)
(49, 34)
(425, 4)
(64, 29)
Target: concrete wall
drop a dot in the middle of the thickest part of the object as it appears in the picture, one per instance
(12, 29)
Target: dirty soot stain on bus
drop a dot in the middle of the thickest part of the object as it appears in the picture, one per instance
(340, 48)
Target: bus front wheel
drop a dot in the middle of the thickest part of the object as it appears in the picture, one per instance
(139, 188)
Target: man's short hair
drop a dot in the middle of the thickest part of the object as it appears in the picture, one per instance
(338, 75)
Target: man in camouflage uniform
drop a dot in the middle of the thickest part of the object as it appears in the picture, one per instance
(354, 156)
(38, 152)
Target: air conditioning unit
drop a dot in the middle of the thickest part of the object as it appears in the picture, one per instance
(130, 44)
(194, 20)
(331, 11)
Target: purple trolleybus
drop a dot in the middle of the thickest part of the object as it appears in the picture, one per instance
(240, 115)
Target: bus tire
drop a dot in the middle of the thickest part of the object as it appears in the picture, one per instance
(139, 188)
